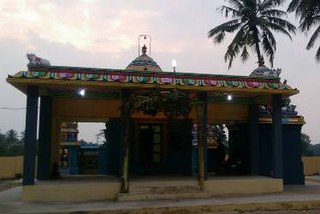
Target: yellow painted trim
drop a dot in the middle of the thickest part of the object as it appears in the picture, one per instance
(243, 185)
(290, 120)
(10, 166)
(311, 166)
(71, 191)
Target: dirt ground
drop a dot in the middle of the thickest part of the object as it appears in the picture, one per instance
(273, 212)
(13, 182)
(7, 183)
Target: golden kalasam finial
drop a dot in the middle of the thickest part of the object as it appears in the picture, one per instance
(144, 48)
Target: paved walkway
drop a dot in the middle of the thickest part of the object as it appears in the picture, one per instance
(294, 197)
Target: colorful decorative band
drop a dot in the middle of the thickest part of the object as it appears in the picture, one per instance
(156, 78)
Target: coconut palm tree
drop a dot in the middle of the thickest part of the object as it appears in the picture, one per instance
(309, 13)
(254, 22)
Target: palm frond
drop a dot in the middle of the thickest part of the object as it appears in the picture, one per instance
(274, 13)
(308, 22)
(245, 54)
(270, 4)
(256, 21)
(307, 11)
(236, 3)
(313, 38)
(318, 55)
(231, 53)
(219, 37)
(277, 28)
(229, 10)
(234, 47)
(229, 26)
(270, 37)
(283, 23)
(268, 49)
(293, 5)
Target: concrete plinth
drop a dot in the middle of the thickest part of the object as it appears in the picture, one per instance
(82, 188)
(70, 192)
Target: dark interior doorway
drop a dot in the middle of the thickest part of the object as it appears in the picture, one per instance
(150, 148)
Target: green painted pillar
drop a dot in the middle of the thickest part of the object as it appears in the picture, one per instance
(30, 143)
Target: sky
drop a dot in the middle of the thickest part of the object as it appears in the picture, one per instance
(104, 34)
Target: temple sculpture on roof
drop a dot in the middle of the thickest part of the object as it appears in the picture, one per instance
(144, 63)
(164, 124)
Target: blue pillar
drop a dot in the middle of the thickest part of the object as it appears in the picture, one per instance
(30, 136)
(277, 136)
(254, 139)
(44, 144)
(73, 153)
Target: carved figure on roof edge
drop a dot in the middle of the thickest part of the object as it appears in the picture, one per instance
(36, 61)
(264, 71)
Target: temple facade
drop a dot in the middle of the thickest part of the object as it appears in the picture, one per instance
(162, 123)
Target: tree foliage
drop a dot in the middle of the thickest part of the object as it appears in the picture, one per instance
(10, 143)
(306, 147)
(253, 22)
(174, 103)
(308, 12)
(12, 137)
(220, 133)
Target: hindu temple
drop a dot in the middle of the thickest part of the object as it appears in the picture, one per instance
(199, 134)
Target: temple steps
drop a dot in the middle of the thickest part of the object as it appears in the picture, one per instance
(163, 190)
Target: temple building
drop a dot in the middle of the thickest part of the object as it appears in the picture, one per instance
(166, 129)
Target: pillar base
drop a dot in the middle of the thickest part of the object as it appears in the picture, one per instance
(74, 160)
(74, 171)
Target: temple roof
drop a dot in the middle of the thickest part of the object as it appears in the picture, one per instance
(57, 77)
(143, 63)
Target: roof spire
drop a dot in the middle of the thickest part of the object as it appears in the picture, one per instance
(144, 50)
(146, 38)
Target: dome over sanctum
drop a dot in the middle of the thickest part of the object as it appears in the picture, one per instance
(143, 63)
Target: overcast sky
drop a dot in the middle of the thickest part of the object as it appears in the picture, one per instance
(99, 33)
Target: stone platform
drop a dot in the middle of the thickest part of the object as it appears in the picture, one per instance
(302, 197)
(82, 188)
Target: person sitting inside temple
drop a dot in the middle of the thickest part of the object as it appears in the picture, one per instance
(55, 171)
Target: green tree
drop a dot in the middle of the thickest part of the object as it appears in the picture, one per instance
(220, 133)
(306, 147)
(22, 137)
(308, 12)
(10, 144)
(254, 22)
(12, 137)
(2, 137)
(3, 144)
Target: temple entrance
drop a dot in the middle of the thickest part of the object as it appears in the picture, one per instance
(150, 149)
(163, 148)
